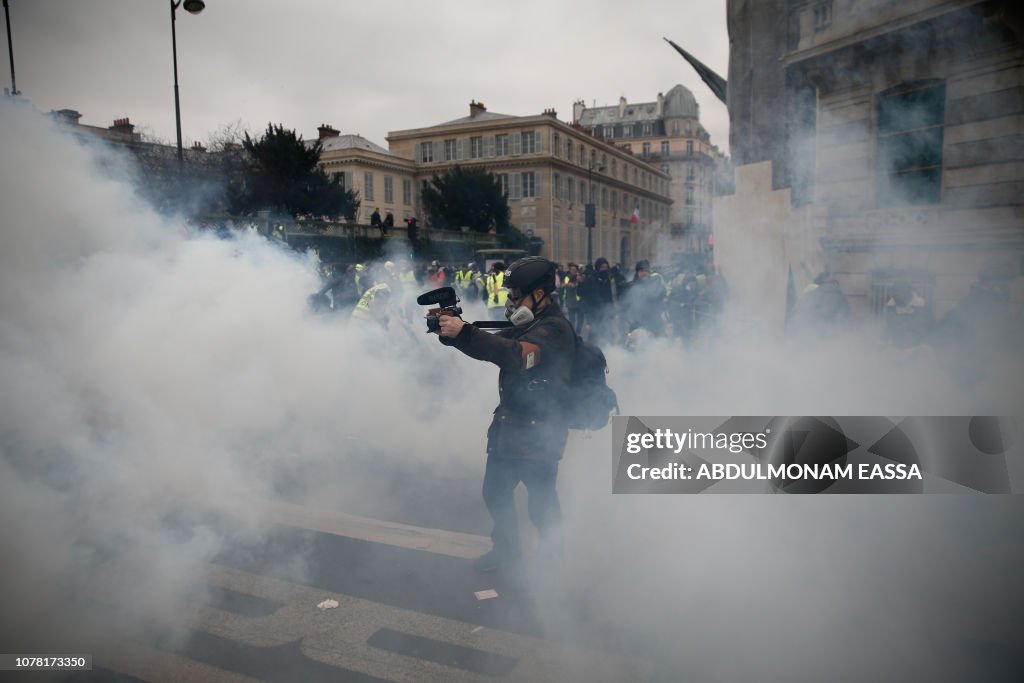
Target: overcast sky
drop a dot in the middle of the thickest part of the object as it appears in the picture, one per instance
(364, 67)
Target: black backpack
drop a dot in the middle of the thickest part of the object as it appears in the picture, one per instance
(591, 400)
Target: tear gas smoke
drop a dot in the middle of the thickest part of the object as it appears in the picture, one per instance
(160, 385)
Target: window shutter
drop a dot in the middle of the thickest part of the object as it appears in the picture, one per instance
(489, 145)
(517, 186)
(460, 149)
(536, 184)
(436, 149)
(517, 143)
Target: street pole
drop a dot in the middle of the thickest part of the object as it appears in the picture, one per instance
(177, 102)
(10, 50)
(192, 7)
(590, 213)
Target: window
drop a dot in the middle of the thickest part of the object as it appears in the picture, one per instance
(615, 168)
(689, 147)
(675, 128)
(389, 189)
(822, 15)
(503, 182)
(593, 158)
(583, 192)
(627, 130)
(570, 190)
(406, 191)
(368, 185)
(689, 195)
(604, 198)
(556, 145)
(615, 201)
(529, 184)
(664, 149)
(647, 129)
(556, 238)
(582, 154)
(556, 186)
(910, 132)
(647, 149)
(449, 150)
(922, 283)
(529, 138)
(342, 180)
(501, 146)
(690, 175)
(426, 152)
(476, 147)
(628, 147)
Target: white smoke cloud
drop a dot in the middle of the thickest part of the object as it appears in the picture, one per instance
(159, 383)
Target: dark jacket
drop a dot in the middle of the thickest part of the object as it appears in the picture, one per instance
(597, 291)
(528, 422)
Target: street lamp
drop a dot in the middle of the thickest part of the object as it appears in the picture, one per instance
(192, 7)
(590, 211)
(10, 49)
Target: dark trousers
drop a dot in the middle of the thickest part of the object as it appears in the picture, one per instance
(575, 317)
(539, 476)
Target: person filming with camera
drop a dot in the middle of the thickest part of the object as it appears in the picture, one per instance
(528, 432)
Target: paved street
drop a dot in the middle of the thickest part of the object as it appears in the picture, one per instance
(407, 609)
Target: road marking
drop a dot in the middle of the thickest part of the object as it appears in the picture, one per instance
(439, 541)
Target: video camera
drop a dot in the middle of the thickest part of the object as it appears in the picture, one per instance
(447, 304)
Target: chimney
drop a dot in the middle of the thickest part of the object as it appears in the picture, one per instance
(123, 126)
(578, 108)
(622, 107)
(661, 105)
(551, 112)
(476, 108)
(198, 147)
(326, 131)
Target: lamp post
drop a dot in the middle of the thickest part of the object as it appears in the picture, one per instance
(590, 212)
(192, 7)
(10, 49)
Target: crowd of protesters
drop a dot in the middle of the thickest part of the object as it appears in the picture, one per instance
(603, 305)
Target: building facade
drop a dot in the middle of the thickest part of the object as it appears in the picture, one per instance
(667, 133)
(384, 181)
(549, 170)
(888, 140)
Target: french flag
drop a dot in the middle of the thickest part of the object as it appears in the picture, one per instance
(636, 214)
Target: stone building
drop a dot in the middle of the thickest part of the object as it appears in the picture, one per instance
(384, 181)
(878, 140)
(550, 170)
(668, 134)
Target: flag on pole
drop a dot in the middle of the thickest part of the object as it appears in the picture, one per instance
(636, 214)
(718, 85)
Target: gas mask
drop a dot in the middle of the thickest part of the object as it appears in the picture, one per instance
(518, 315)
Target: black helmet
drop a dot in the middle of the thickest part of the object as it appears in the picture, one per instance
(643, 264)
(530, 273)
